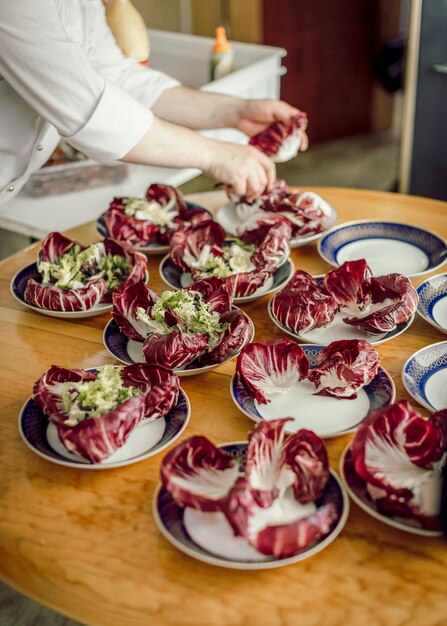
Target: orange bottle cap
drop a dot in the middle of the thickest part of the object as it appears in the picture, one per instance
(222, 44)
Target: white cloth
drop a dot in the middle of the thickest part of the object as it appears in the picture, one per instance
(62, 75)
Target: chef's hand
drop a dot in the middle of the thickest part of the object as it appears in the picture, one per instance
(245, 171)
(254, 116)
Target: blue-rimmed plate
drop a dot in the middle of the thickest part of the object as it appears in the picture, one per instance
(338, 330)
(326, 416)
(18, 286)
(433, 301)
(425, 376)
(208, 537)
(176, 278)
(152, 248)
(20, 281)
(388, 247)
(129, 351)
(357, 489)
(227, 217)
(147, 439)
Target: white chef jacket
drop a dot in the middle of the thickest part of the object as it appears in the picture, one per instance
(62, 75)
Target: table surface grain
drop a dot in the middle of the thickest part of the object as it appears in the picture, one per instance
(85, 543)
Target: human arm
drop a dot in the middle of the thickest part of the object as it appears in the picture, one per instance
(243, 169)
(201, 110)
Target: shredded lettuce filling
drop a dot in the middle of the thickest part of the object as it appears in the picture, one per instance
(151, 211)
(235, 260)
(192, 310)
(93, 398)
(76, 267)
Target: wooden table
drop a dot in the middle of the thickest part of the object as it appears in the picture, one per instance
(85, 543)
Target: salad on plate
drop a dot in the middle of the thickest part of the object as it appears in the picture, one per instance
(329, 390)
(394, 466)
(152, 219)
(202, 251)
(186, 329)
(70, 276)
(95, 411)
(276, 507)
(348, 295)
(307, 213)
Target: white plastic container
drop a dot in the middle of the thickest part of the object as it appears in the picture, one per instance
(187, 57)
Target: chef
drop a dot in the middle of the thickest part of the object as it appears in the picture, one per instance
(62, 75)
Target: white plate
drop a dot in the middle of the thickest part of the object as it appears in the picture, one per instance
(145, 440)
(210, 530)
(356, 488)
(432, 306)
(325, 415)
(129, 351)
(424, 376)
(338, 330)
(226, 216)
(388, 247)
(177, 279)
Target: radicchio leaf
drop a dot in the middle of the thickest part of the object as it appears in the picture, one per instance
(97, 438)
(56, 299)
(405, 300)
(160, 386)
(270, 367)
(400, 456)
(54, 246)
(273, 247)
(273, 464)
(174, 349)
(187, 244)
(304, 304)
(238, 333)
(350, 285)
(127, 228)
(48, 389)
(217, 292)
(166, 195)
(198, 474)
(304, 211)
(281, 140)
(288, 539)
(305, 454)
(344, 367)
(125, 304)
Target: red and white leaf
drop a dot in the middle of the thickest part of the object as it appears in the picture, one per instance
(198, 474)
(344, 367)
(270, 367)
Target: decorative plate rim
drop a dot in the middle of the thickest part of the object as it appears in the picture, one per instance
(260, 565)
(389, 521)
(405, 326)
(191, 372)
(339, 433)
(382, 221)
(421, 313)
(242, 299)
(99, 466)
(419, 399)
(296, 242)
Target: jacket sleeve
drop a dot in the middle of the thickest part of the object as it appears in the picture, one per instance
(52, 72)
(144, 83)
